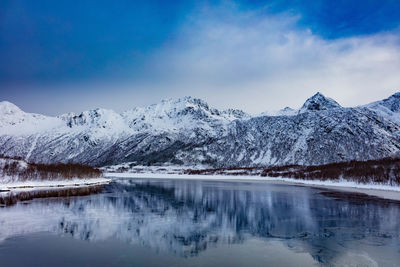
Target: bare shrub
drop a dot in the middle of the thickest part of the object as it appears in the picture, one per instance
(56, 171)
(382, 171)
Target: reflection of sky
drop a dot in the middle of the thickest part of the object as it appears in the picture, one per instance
(60, 56)
(187, 218)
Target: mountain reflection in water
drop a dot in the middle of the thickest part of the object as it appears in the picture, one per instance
(188, 217)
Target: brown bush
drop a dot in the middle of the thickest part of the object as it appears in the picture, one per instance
(49, 171)
(383, 171)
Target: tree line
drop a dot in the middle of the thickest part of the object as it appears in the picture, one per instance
(382, 171)
(12, 167)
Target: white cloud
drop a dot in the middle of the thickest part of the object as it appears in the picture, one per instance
(255, 62)
(241, 59)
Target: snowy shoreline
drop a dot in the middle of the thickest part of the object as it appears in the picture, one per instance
(379, 190)
(33, 185)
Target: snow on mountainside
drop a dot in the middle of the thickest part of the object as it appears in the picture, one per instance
(188, 131)
(89, 136)
(287, 111)
(317, 102)
(182, 114)
(388, 108)
(14, 120)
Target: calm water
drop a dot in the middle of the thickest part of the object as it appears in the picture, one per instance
(138, 222)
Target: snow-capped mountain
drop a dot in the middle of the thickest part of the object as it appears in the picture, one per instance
(287, 111)
(319, 102)
(388, 108)
(188, 131)
(14, 121)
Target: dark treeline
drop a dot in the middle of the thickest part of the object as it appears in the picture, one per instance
(32, 171)
(11, 198)
(383, 171)
(7, 157)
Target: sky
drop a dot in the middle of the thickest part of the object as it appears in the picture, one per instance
(75, 55)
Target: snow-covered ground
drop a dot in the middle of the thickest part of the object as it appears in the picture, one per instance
(33, 185)
(14, 181)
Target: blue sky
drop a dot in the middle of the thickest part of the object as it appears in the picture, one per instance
(60, 56)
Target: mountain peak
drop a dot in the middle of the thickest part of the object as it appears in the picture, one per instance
(395, 95)
(319, 102)
(392, 103)
(287, 109)
(98, 117)
(8, 108)
(187, 100)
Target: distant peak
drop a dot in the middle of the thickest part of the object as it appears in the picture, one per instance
(236, 113)
(7, 103)
(180, 103)
(8, 108)
(318, 95)
(395, 98)
(319, 102)
(392, 103)
(287, 109)
(395, 95)
(192, 100)
(186, 99)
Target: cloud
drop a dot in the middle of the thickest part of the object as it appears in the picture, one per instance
(255, 61)
(232, 57)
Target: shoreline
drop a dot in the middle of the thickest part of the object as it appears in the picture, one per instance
(62, 184)
(378, 190)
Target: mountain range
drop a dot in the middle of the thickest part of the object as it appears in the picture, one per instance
(189, 132)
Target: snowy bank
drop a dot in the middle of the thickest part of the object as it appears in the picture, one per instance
(19, 175)
(42, 184)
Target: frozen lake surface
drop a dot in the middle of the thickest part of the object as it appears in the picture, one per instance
(156, 222)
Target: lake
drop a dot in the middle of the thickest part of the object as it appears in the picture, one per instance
(153, 222)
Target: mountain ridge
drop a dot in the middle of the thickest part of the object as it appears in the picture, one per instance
(188, 131)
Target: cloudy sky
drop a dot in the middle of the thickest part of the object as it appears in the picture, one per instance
(74, 55)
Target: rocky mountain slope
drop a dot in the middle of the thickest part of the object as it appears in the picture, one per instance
(188, 131)
(388, 108)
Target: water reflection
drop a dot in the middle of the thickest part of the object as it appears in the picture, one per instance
(188, 217)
